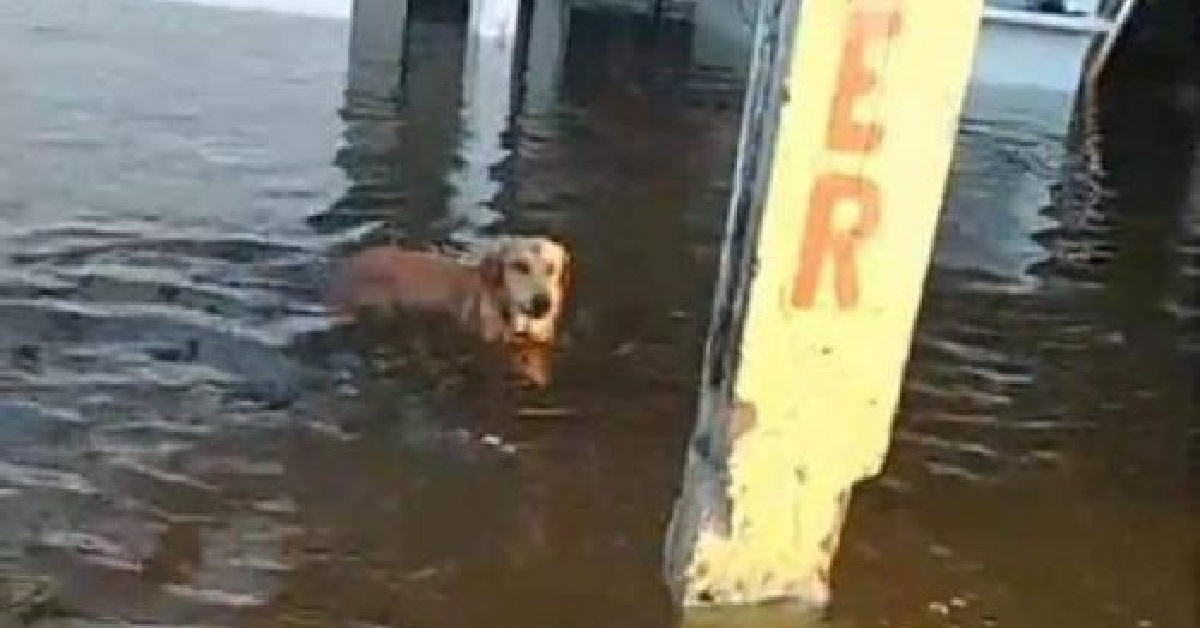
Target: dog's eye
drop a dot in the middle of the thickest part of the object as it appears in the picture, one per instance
(521, 266)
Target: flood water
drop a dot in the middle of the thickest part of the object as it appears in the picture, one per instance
(185, 441)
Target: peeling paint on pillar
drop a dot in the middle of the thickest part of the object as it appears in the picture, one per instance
(827, 248)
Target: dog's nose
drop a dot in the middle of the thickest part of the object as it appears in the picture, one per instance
(539, 305)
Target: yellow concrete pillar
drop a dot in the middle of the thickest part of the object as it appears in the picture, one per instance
(838, 235)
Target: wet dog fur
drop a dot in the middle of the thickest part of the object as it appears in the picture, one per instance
(510, 293)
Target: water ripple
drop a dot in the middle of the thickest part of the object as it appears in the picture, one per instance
(183, 436)
(24, 476)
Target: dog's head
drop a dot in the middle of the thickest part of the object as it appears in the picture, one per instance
(531, 278)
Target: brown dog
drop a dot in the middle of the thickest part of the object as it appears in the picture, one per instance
(514, 293)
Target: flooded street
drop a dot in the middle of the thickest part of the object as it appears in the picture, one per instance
(186, 441)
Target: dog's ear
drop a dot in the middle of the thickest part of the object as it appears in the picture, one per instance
(491, 268)
(566, 275)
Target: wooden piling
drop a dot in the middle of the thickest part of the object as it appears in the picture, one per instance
(849, 128)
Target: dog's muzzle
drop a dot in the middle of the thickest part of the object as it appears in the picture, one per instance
(538, 307)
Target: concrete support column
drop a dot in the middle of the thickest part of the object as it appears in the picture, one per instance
(849, 130)
(544, 63)
(719, 29)
(377, 47)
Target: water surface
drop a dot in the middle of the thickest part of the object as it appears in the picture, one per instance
(183, 441)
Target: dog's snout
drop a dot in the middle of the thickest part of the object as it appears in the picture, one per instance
(539, 305)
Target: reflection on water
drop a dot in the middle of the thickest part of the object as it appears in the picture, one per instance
(184, 442)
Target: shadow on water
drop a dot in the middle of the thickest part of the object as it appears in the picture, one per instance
(183, 440)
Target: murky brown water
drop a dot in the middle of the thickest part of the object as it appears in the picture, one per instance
(182, 441)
